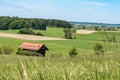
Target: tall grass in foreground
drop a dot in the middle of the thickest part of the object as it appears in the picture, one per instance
(58, 67)
(83, 67)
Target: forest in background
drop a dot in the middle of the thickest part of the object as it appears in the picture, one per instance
(7, 22)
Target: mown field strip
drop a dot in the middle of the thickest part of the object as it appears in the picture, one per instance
(28, 37)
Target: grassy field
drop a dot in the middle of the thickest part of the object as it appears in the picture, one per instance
(55, 47)
(58, 32)
(62, 46)
(57, 65)
(83, 42)
(83, 67)
(51, 32)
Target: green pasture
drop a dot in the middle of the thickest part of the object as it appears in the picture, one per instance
(51, 32)
(100, 35)
(58, 32)
(55, 46)
(83, 42)
(57, 65)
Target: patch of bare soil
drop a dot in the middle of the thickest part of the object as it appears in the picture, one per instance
(85, 31)
(28, 37)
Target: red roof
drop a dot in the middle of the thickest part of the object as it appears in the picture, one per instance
(31, 46)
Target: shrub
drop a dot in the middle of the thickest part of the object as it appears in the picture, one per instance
(6, 50)
(22, 31)
(73, 31)
(73, 52)
(68, 33)
(39, 34)
(26, 31)
(98, 49)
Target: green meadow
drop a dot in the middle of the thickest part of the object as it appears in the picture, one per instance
(51, 32)
(55, 46)
(83, 42)
(57, 65)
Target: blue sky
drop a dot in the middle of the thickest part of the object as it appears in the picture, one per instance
(103, 11)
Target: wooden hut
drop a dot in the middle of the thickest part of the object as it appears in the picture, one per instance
(34, 47)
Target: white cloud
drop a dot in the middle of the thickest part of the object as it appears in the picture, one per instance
(76, 10)
(93, 3)
(27, 6)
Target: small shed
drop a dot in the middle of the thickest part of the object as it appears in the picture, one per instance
(34, 47)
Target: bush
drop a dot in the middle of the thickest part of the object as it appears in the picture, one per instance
(73, 52)
(98, 49)
(26, 31)
(73, 31)
(68, 33)
(6, 50)
(39, 34)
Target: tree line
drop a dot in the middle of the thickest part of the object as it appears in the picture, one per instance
(7, 22)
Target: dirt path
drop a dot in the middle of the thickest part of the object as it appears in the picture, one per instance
(28, 37)
(85, 31)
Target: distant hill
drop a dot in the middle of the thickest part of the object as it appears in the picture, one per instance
(92, 23)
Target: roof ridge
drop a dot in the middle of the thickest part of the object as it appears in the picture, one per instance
(33, 46)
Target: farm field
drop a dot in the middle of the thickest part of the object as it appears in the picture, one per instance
(83, 67)
(58, 32)
(50, 32)
(59, 40)
(85, 31)
(28, 37)
(83, 42)
(57, 64)
(55, 46)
